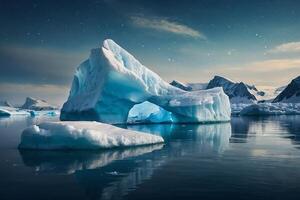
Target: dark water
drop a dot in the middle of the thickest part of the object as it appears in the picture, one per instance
(249, 158)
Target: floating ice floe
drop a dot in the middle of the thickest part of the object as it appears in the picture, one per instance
(82, 135)
(108, 84)
(271, 109)
(6, 111)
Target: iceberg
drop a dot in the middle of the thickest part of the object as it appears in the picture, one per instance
(111, 81)
(52, 113)
(6, 103)
(271, 109)
(82, 135)
(37, 105)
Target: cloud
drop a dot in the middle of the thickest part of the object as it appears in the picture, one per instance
(167, 26)
(274, 65)
(273, 72)
(290, 47)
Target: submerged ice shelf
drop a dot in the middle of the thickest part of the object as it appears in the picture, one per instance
(82, 135)
(108, 84)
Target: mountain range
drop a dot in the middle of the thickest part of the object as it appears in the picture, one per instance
(240, 92)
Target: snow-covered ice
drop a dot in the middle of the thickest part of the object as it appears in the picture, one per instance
(6, 111)
(271, 109)
(82, 135)
(236, 108)
(108, 84)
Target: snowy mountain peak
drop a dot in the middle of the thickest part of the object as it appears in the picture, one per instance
(291, 94)
(218, 81)
(237, 92)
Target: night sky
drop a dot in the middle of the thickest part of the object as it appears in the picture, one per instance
(42, 42)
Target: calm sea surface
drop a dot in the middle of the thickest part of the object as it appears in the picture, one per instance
(249, 158)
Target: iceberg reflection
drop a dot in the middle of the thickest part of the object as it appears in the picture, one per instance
(212, 136)
(68, 162)
(112, 174)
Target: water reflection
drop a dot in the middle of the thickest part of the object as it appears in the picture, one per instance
(216, 136)
(112, 174)
(244, 128)
(68, 162)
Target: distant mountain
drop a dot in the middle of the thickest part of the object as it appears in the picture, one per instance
(237, 92)
(37, 104)
(181, 85)
(291, 94)
(6, 103)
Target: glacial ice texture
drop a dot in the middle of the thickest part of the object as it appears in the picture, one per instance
(108, 84)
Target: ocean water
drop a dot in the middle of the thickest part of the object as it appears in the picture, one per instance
(248, 158)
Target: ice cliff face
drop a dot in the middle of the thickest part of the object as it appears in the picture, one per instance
(108, 84)
(291, 94)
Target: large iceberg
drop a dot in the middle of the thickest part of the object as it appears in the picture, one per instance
(108, 84)
(82, 135)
